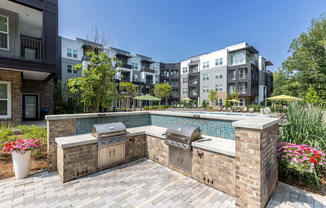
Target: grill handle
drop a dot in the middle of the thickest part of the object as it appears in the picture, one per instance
(164, 134)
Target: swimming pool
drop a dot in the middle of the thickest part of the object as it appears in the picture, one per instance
(218, 113)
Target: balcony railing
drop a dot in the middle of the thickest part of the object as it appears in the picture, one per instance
(174, 75)
(243, 76)
(21, 47)
(148, 70)
(127, 66)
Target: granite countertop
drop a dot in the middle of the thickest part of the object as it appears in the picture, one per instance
(213, 144)
(75, 140)
(155, 131)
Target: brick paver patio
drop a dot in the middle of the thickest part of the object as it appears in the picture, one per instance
(142, 183)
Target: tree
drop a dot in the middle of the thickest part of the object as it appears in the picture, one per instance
(163, 91)
(195, 103)
(307, 63)
(129, 88)
(311, 96)
(285, 84)
(203, 104)
(97, 84)
(235, 94)
(212, 96)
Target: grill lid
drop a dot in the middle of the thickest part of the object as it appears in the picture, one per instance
(108, 129)
(189, 132)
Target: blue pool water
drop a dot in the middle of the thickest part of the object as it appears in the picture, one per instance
(218, 113)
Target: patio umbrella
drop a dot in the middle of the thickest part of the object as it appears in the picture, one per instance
(187, 99)
(283, 97)
(234, 100)
(147, 97)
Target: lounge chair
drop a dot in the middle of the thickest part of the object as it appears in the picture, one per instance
(230, 109)
(251, 110)
(238, 109)
(224, 109)
(245, 109)
(178, 106)
(219, 108)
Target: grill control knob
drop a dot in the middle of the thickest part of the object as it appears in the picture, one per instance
(110, 140)
(116, 139)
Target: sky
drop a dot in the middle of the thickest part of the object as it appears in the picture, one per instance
(171, 31)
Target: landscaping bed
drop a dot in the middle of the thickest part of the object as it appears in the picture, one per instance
(38, 157)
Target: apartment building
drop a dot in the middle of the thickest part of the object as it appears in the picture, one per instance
(238, 66)
(72, 53)
(28, 58)
(170, 73)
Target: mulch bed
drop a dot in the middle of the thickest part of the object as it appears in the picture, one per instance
(303, 186)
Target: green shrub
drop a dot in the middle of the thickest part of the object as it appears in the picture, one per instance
(33, 132)
(195, 103)
(203, 104)
(305, 126)
(6, 134)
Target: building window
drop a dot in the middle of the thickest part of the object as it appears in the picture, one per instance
(216, 88)
(232, 74)
(205, 88)
(219, 62)
(221, 87)
(5, 99)
(206, 65)
(220, 102)
(156, 80)
(219, 74)
(248, 101)
(205, 77)
(242, 88)
(241, 102)
(185, 70)
(69, 52)
(74, 55)
(185, 91)
(238, 57)
(134, 66)
(4, 32)
(185, 80)
(243, 73)
(69, 68)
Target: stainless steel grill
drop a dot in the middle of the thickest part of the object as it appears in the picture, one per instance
(111, 139)
(179, 138)
(109, 133)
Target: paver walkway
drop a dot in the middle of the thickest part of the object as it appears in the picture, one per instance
(142, 183)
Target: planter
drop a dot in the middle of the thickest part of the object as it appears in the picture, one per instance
(21, 164)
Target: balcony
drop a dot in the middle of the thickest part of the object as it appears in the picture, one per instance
(148, 70)
(175, 85)
(127, 66)
(175, 95)
(174, 75)
(21, 47)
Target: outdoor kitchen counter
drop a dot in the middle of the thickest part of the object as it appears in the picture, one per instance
(213, 144)
(75, 140)
(154, 131)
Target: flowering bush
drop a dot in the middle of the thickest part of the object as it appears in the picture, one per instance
(301, 163)
(300, 157)
(21, 146)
